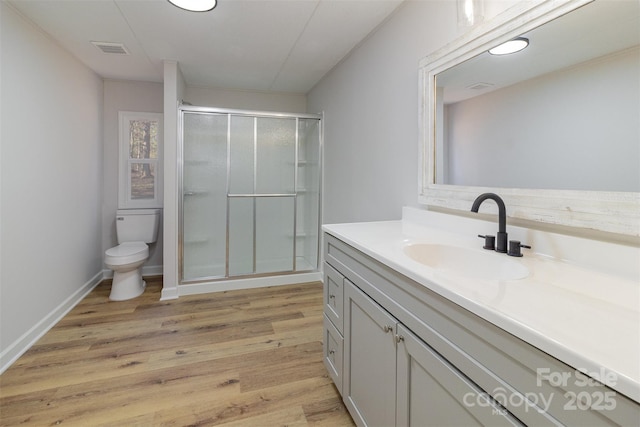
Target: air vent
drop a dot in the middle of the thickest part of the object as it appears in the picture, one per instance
(479, 86)
(111, 48)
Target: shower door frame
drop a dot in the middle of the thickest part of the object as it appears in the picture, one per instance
(182, 109)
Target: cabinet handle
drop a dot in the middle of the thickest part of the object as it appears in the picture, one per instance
(387, 328)
(331, 296)
(332, 351)
(399, 338)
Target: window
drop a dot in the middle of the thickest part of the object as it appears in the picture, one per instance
(140, 174)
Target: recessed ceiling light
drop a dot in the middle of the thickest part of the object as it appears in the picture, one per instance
(195, 5)
(512, 46)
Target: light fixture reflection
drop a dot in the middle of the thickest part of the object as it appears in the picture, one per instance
(512, 46)
(470, 12)
(195, 5)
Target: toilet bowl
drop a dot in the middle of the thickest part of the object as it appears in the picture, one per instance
(126, 261)
(134, 228)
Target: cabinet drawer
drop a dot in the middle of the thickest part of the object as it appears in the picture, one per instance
(333, 296)
(332, 345)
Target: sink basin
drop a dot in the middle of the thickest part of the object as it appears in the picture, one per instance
(467, 262)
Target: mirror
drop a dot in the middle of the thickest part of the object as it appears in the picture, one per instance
(554, 129)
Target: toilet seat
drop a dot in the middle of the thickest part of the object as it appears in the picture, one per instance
(126, 253)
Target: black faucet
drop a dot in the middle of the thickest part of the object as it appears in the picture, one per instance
(501, 241)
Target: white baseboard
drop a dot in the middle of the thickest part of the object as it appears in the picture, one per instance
(24, 343)
(169, 293)
(253, 282)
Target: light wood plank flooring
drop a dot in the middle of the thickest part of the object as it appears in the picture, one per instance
(238, 358)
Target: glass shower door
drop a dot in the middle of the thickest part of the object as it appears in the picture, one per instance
(261, 195)
(204, 183)
(250, 194)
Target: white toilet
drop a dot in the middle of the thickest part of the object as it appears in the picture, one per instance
(135, 228)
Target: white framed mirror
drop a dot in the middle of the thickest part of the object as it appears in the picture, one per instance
(501, 123)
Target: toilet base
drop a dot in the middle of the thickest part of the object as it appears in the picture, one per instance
(127, 285)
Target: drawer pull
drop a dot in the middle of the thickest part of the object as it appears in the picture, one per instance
(387, 328)
(399, 338)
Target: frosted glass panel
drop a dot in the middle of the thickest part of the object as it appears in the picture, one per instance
(204, 195)
(240, 236)
(308, 194)
(242, 155)
(275, 155)
(274, 234)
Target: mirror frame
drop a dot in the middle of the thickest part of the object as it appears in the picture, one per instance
(612, 212)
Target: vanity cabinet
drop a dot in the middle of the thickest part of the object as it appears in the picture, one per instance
(391, 377)
(412, 357)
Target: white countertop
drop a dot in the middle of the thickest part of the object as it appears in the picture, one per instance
(588, 318)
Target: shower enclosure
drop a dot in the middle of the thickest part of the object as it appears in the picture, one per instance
(250, 193)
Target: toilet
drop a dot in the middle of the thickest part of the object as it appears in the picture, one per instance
(135, 228)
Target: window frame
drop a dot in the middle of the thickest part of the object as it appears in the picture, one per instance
(125, 200)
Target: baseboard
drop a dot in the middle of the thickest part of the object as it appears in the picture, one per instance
(24, 343)
(168, 294)
(254, 282)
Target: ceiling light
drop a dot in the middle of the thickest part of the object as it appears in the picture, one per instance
(511, 46)
(195, 5)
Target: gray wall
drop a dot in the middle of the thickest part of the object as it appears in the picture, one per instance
(245, 99)
(370, 101)
(51, 163)
(124, 96)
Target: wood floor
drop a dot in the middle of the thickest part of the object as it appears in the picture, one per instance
(238, 358)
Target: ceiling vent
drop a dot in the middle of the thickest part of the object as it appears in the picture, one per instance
(111, 48)
(479, 86)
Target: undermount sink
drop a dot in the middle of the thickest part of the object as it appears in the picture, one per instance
(467, 262)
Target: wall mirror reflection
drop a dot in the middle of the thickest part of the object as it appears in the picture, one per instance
(562, 113)
(554, 128)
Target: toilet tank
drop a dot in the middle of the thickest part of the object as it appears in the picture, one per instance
(137, 225)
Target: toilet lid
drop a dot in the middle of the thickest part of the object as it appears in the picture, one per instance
(127, 249)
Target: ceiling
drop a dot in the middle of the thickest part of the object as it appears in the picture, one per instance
(260, 45)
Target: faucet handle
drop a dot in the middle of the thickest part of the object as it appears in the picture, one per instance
(514, 248)
(489, 242)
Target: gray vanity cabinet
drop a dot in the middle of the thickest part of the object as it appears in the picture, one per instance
(402, 355)
(391, 377)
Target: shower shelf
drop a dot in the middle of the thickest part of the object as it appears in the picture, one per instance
(198, 241)
(198, 162)
(195, 192)
(302, 163)
(301, 235)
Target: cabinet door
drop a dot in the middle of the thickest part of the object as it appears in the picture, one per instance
(369, 360)
(431, 392)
